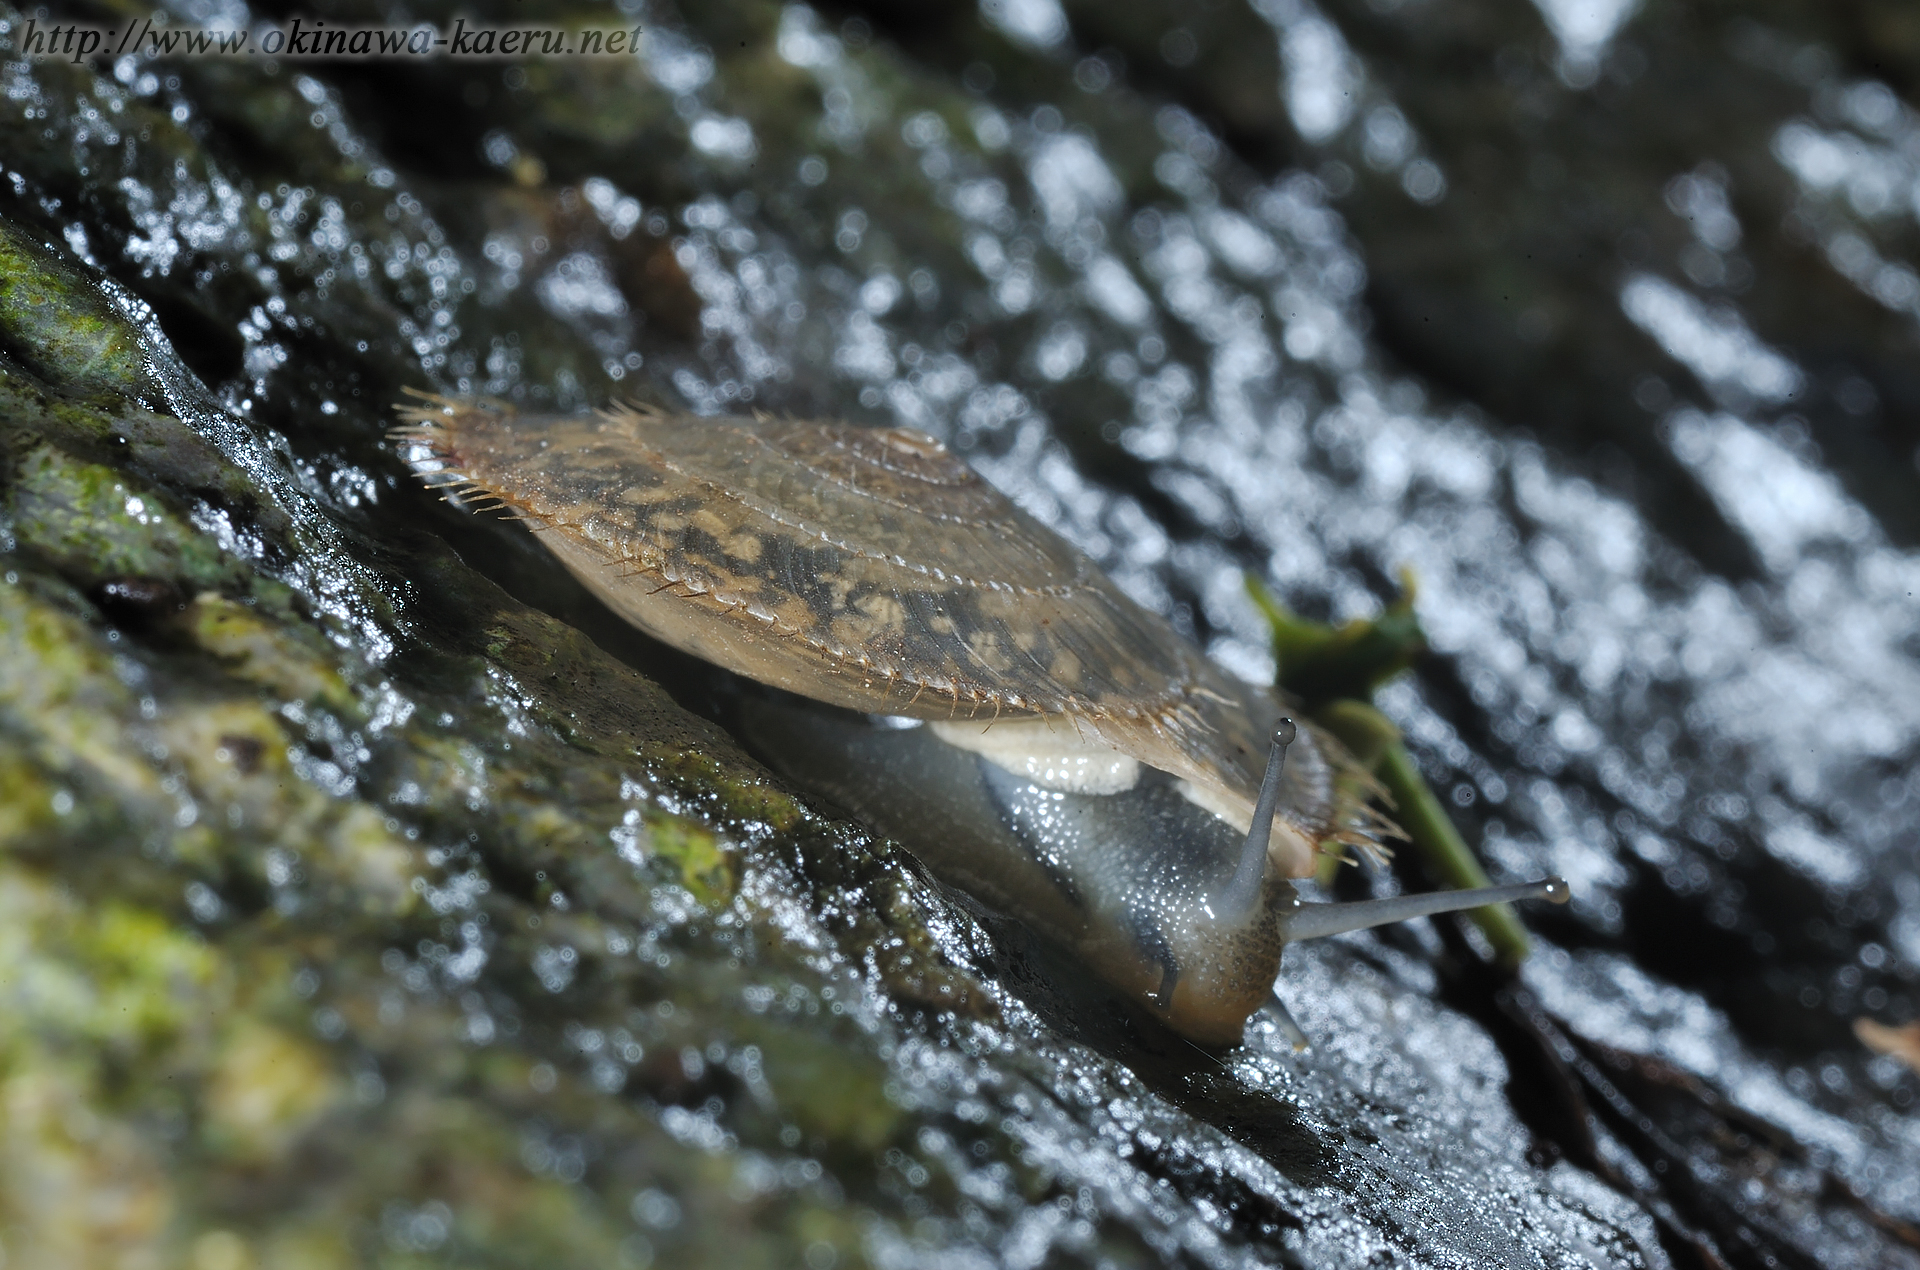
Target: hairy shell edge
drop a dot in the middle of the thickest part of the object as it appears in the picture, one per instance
(871, 569)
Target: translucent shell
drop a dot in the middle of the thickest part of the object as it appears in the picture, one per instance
(871, 569)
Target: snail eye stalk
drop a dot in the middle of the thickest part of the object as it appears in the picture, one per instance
(1289, 1026)
(1241, 895)
(1311, 921)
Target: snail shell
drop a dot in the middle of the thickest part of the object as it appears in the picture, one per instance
(875, 570)
(871, 570)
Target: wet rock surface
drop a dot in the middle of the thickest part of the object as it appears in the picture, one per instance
(374, 897)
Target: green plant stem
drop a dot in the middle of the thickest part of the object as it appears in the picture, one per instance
(1445, 852)
(1332, 672)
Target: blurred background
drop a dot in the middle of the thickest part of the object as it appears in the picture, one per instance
(375, 898)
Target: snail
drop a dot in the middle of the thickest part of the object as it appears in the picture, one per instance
(974, 686)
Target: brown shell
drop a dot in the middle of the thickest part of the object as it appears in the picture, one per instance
(868, 568)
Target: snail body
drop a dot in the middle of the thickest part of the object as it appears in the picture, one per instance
(1043, 742)
(1136, 884)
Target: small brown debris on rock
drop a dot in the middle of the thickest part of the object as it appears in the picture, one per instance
(1901, 1042)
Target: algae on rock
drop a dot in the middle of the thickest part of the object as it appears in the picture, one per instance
(272, 899)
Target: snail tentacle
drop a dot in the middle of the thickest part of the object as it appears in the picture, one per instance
(1241, 895)
(1289, 1026)
(1312, 921)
